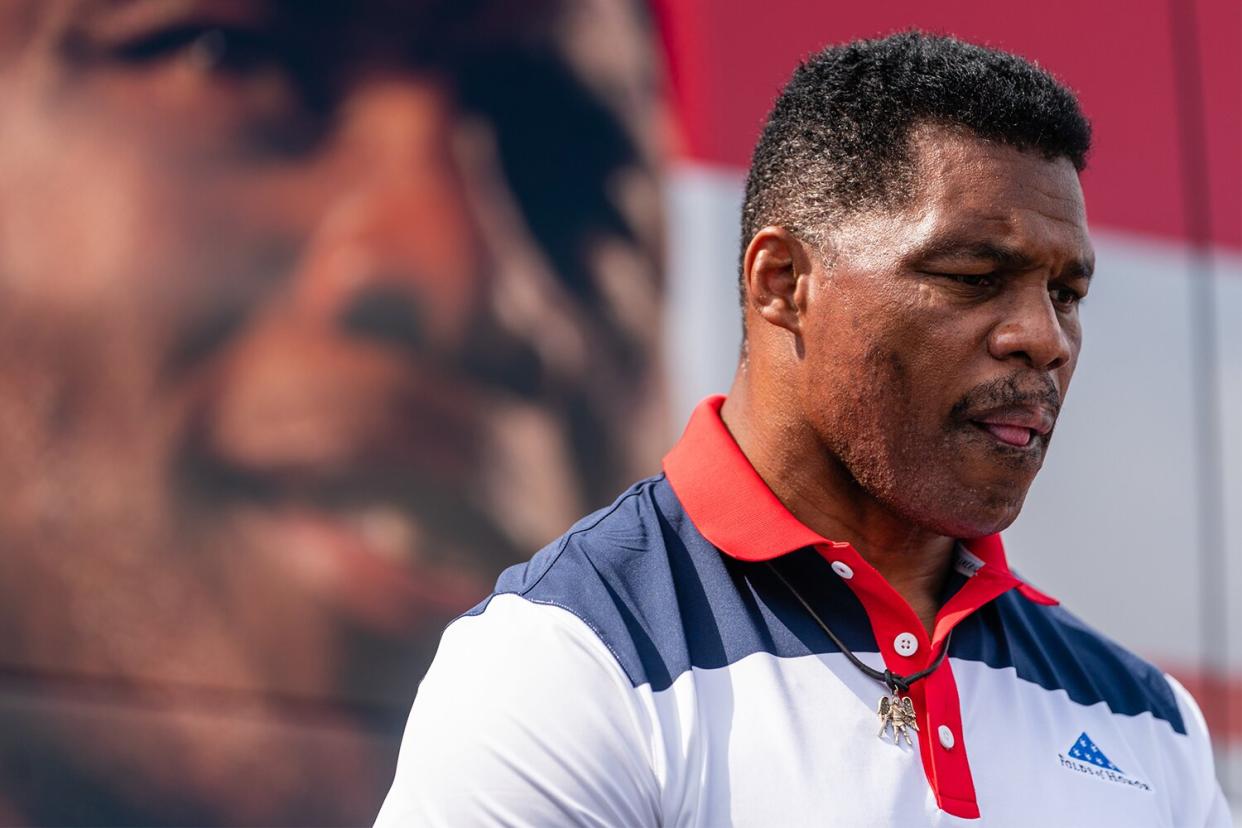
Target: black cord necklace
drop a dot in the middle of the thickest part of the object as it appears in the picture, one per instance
(896, 711)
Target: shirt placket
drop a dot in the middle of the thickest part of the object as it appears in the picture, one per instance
(906, 648)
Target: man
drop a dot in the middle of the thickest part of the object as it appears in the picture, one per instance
(714, 648)
(300, 302)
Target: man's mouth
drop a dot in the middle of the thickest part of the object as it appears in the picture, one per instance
(1009, 435)
(395, 552)
(372, 563)
(1016, 426)
(354, 471)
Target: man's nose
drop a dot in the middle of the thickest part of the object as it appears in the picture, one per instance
(393, 253)
(1032, 331)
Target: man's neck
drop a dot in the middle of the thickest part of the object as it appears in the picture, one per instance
(821, 493)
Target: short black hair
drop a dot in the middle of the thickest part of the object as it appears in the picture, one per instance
(837, 140)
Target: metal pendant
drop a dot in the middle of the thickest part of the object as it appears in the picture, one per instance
(897, 712)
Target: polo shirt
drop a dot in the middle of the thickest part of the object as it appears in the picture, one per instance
(649, 668)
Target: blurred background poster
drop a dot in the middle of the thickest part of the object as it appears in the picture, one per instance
(315, 315)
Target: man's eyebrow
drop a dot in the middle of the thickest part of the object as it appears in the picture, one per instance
(1000, 255)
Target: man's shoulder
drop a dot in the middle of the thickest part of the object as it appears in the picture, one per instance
(1055, 648)
(1139, 703)
(617, 571)
(620, 542)
(624, 530)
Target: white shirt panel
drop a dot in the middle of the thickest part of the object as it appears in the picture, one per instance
(526, 718)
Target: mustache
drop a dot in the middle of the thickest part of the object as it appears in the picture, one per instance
(1015, 390)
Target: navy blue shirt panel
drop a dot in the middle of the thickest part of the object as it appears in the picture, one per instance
(663, 599)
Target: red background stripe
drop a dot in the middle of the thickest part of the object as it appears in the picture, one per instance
(728, 60)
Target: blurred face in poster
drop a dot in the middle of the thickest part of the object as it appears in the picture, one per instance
(312, 317)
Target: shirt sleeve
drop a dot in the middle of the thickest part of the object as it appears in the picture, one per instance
(1204, 803)
(524, 718)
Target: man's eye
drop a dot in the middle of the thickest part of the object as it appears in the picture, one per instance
(209, 48)
(1065, 297)
(252, 87)
(981, 280)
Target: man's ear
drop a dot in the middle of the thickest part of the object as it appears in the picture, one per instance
(775, 270)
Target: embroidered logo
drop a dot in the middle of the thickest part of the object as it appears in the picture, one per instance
(1086, 757)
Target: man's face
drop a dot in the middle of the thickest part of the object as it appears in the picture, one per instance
(283, 366)
(945, 333)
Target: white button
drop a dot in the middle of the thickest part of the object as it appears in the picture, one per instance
(946, 737)
(842, 569)
(906, 644)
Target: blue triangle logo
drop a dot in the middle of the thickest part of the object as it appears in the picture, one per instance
(1085, 750)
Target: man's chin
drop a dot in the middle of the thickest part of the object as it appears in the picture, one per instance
(965, 508)
(976, 516)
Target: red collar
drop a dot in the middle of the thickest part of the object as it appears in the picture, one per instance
(736, 511)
